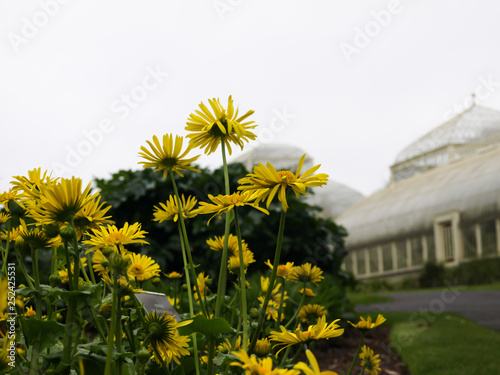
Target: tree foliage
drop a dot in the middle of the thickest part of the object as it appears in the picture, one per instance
(308, 238)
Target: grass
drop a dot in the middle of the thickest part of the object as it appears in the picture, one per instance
(358, 298)
(443, 344)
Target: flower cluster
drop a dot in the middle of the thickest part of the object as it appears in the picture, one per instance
(96, 283)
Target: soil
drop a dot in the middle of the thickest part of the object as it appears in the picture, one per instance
(337, 354)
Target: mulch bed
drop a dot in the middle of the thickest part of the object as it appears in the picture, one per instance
(337, 354)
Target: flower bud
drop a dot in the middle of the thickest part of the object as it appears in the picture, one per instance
(107, 251)
(68, 233)
(55, 279)
(143, 355)
(155, 281)
(105, 310)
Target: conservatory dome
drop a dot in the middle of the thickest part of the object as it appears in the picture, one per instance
(460, 136)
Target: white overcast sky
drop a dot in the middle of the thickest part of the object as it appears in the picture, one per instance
(351, 82)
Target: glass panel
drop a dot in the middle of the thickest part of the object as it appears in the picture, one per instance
(417, 256)
(401, 254)
(387, 257)
(489, 238)
(469, 239)
(431, 248)
(373, 253)
(360, 258)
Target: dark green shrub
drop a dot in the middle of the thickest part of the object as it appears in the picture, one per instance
(433, 275)
(476, 272)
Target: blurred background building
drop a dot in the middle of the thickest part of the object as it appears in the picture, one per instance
(442, 204)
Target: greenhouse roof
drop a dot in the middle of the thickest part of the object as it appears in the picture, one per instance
(474, 124)
(470, 186)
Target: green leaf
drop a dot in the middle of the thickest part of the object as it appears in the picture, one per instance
(207, 327)
(85, 296)
(48, 331)
(223, 359)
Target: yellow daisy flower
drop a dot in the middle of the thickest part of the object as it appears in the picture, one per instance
(283, 269)
(369, 361)
(272, 309)
(123, 283)
(225, 203)
(9, 196)
(209, 128)
(202, 281)
(64, 273)
(142, 267)
(308, 291)
(59, 202)
(162, 334)
(311, 313)
(253, 365)
(173, 275)
(320, 330)
(36, 237)
(167, 156)
(217, 244)
(366, 325)
(170, 210)
(306, 273)
(233, 263)
(266, 181)
(30, 312)
(226, 346)
(91, 215)
(4, 217)
(112, 236)
(31, 186)
(314, 369)
(262, 347)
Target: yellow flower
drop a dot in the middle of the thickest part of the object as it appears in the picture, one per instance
(259, 366)
(202, 281)
(225, 203)
(163, 335)
(123, 283)
(167, 156)
(217, 244)
(233, 263)
(64, 273)
(271, 310)
(30, 312)
(283, 269)
(266, 181)
(170, 210)
(9, 196)
(112, 236)
(366, 325)
(4, 217)
(142, 267)
(226, 346)
(36, 237)
(173, 275)
(314, 369)
(31, 186)
(208, 129)
(8, 342)
(306, 273)
(91, 215)
(369, 361)
(59, 202)
(309, 292)
(4, 293)
(311, 313)
(262, 347)
(320, 330)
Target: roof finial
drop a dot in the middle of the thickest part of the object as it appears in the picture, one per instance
(473, 99)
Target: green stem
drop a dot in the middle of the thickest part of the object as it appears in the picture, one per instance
(91, 270)
(185, 241)
(272, 279)
(163, 365)
(280, 309)
(362, 370)
(357, 353)
(112, 328)
(118, 336)
(28, 278)
(36, 276)
(302, 299)
(243, 286)
(190, 300)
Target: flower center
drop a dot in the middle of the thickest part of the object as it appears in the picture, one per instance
(169, 162)
(287, 177)
(136, 268)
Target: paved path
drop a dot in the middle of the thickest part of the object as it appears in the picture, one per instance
(482, 307)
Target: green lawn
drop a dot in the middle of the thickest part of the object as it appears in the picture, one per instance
(443, 344)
